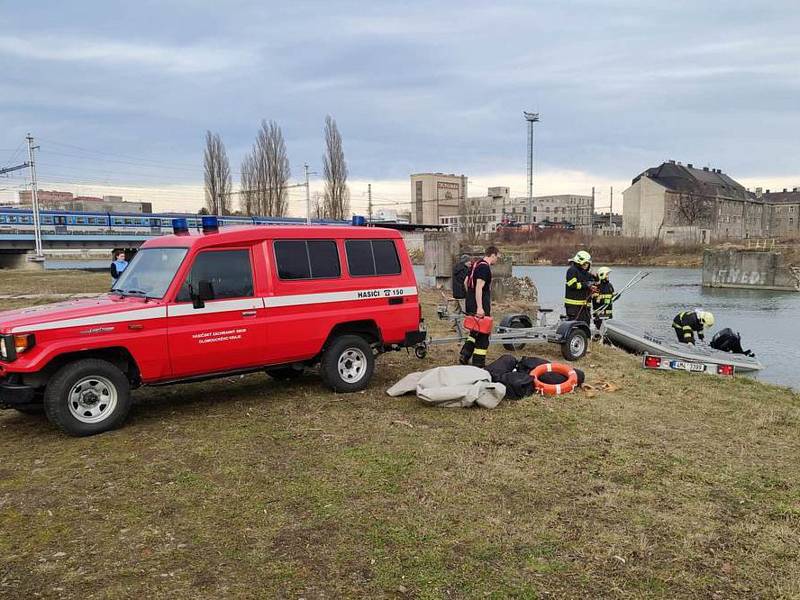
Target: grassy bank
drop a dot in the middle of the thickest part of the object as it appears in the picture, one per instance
(670, 486)
(557, 248)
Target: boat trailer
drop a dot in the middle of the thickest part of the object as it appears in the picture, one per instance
(515, 331)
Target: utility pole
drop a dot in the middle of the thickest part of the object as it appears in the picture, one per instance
(37, 227)
(531, 118)
(308, 197)
(611, 209)
(369, 201)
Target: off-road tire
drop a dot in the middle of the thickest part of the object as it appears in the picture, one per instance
(337, 351)
(575, 345)
(59, 389)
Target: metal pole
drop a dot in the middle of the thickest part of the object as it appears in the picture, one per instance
(611, 209)
(531, 118)
(369, 199)
(37, 228)
(308, 197)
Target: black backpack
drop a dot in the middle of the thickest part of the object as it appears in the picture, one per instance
(727, 340)
(518, 384)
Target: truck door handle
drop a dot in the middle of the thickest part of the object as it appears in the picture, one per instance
(249, 313)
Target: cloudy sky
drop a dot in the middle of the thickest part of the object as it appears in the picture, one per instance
(119, 95)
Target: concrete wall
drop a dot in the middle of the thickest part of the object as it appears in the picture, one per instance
(748, 269)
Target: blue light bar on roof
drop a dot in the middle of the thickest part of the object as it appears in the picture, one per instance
(359, 221)
(210, 224)
(180, 226)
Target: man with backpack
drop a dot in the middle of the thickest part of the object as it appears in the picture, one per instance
(479, 308)
(460, 273)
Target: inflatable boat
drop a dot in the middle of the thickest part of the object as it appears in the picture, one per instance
(644, 342)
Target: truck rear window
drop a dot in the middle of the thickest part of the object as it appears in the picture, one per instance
(307, 259)
(372, 257)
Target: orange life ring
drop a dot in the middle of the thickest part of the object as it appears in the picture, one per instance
(551, 389)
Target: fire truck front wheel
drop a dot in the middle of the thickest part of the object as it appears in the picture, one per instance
(87, 396)
(347, 364)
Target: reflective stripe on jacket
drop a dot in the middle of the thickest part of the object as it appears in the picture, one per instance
(687, 322)
(577, 286)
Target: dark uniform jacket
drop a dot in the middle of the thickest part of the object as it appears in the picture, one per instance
(480, 270)
(578, 283)
(604, 297)
(687, 323)
(460, 272)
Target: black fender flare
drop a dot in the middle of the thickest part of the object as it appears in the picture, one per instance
(509, 320)
(566, 327)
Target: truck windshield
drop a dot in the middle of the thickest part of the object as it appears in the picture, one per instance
(150, 272)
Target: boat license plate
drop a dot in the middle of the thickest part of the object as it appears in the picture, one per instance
(682, 365)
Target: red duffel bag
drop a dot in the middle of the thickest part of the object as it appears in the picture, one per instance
(480, 324)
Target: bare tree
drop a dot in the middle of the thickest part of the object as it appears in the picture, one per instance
(318, 206)
(248, 202)
(272, 170)
(470, 215)
(692, 209)
(265, 174)
(217, 175)
(337, 195)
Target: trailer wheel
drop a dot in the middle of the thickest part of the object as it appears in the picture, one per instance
(420, 351)
(516, 322)
(575, 344)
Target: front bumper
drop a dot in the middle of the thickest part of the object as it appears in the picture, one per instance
(15, 394)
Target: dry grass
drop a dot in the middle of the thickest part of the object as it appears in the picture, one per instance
(673, 486)
(557, 248)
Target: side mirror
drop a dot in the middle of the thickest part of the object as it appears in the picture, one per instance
(205, 291)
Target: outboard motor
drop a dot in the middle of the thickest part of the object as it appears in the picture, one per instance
(727, 340)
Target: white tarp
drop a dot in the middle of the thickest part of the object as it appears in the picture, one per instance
(458, 386)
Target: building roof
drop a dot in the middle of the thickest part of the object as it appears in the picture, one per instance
(784, 197)
(687, 179)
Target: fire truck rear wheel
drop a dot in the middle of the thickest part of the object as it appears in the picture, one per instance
(347, 364)
(87, 397)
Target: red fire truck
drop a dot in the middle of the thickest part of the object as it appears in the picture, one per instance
(199, 305)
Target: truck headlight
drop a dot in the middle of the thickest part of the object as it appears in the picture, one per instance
(23, 342)
(12, 346)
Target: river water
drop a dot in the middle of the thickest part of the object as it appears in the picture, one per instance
(769, 322)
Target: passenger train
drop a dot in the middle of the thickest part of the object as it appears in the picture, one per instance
(17, 220)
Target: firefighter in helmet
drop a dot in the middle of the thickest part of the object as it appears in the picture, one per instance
(603, 300)
(580, 286)
(689, 322)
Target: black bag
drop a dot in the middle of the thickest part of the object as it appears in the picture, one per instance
(518, 384)
(529, 363)
(727, 341)
(503, 365)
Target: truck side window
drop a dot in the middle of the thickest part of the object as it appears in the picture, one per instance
(229, 272)
(307, 259)
(372, 257)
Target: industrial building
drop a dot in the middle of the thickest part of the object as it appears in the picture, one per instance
(681, 203)
(436, 195)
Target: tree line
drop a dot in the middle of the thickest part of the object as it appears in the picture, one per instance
(265, 174)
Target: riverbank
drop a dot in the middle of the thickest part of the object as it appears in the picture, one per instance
(644, 485)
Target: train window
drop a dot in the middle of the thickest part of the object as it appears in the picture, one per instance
(2, 219)
(12, 219)
(128, 221)
(81, 220)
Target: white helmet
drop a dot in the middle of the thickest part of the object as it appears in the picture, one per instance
(582, 257)
(706, 318)
(602, 273)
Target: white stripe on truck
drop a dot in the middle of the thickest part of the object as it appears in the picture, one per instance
(219, 306)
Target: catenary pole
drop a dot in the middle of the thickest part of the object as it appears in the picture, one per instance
(37, 227)
(369, 201)
(308, 197)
